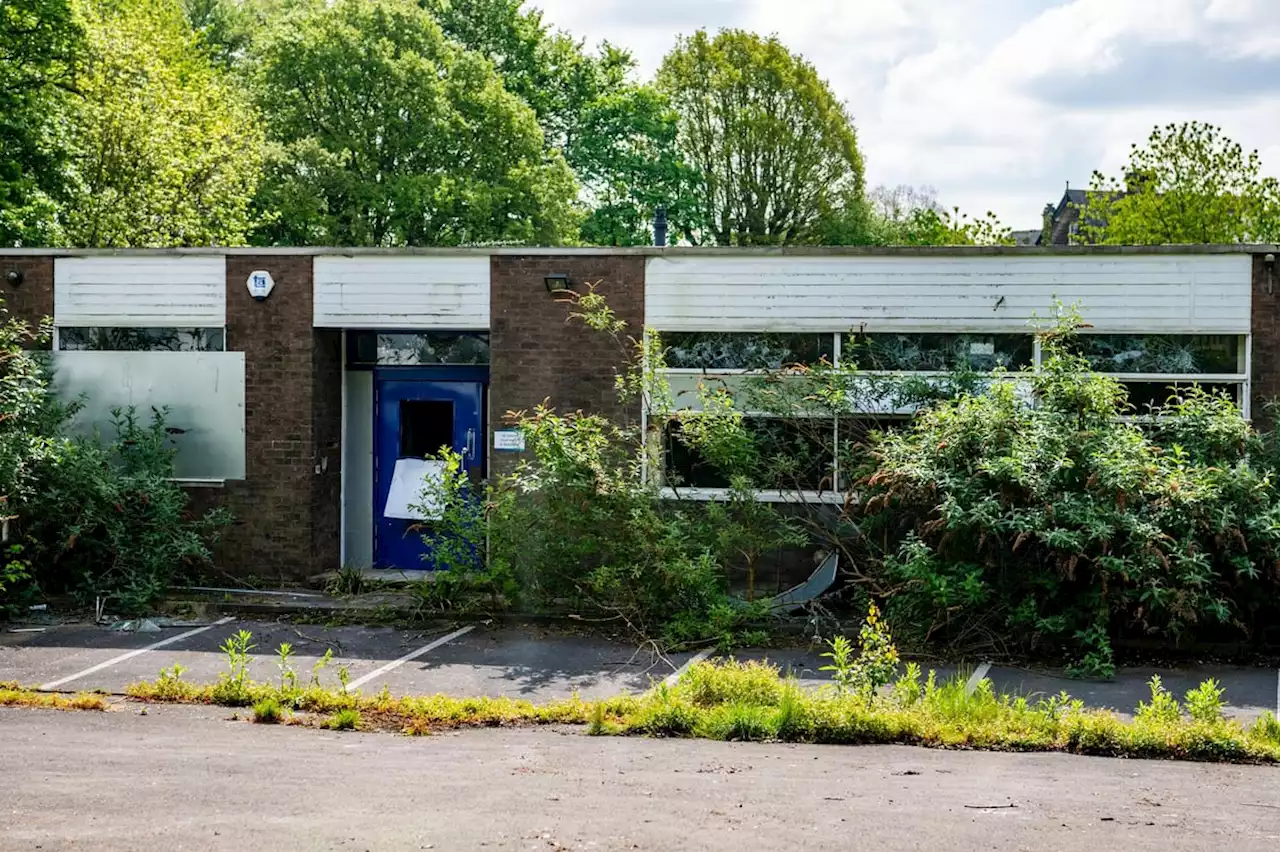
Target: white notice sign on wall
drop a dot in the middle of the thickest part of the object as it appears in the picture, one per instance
(508, 440)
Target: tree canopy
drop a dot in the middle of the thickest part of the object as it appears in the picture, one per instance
(385, 132)
(444, 122)
(1189, 184)
(773, 149)
(39, 46)
(164, 150)
(618, 135)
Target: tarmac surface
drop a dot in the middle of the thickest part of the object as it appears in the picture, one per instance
(522, 662)
(184, 778)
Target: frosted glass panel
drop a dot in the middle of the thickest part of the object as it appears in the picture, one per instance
(204, 392)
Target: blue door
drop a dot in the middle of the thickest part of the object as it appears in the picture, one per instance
(413, 419)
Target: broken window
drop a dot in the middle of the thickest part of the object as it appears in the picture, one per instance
(127, 339)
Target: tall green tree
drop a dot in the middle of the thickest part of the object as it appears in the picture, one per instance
(1189, 184)
(617, 134)
(165, 151)
(775, 151)
(622, 145)
(385, 132)
(536, 65)
(40, 43)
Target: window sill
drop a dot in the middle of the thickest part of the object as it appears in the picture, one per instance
(831, 498)
(199, 483)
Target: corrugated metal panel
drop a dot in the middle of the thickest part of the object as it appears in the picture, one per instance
(1188, 293)
(410, 293)
(140, 291)
(203, 392)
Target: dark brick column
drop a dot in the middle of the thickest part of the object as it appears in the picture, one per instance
(32, 300)
(1266, 344)
(540, 353)
(274, 534)
(326, 435)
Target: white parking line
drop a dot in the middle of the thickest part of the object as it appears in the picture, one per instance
(129, 655)
(412, 655)
(673, 678)
(976, 678)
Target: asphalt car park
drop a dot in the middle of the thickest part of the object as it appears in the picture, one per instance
(531, 662)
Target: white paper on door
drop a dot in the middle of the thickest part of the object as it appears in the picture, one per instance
(407, 500)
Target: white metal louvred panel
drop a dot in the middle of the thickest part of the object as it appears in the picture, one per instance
(1139, 293)
(135, 291)
(404, 293)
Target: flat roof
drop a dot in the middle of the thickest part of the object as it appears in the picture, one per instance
(654, 251)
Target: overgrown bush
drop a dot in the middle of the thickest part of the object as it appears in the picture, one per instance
(1056, 522)
(1015, 510)
(579, 528)
(95, 516)
(109, 520)
(576, 529)
(28, 443)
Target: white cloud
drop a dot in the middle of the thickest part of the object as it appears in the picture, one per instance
(997, 103)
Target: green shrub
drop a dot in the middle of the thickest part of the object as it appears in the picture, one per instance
(99, 517)
(579, 527)
(234, 688)
(1056, 523)
(110, 520)
(876, 660)
(1266, 728)
(29, 443)
(1163, 707)
(1204, 703)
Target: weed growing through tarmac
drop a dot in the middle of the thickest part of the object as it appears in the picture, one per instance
(267, 711)
(284, 662)
(346, 719)
(320, 666)
(751, 701)
(13, 695)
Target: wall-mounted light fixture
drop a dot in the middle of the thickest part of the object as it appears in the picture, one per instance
(14, 277)
(557, 282)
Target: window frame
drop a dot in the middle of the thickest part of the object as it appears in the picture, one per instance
(56, 341)
(1242, 380)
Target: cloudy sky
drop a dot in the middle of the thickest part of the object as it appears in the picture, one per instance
(997, 103)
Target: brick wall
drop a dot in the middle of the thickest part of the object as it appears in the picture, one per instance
(273, 533)
(1266, 342)
(538, 352)
(32, 300)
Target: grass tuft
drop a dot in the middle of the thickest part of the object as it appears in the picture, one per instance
(753, 702)
(267, 711)
(346, 719)
(13, 695)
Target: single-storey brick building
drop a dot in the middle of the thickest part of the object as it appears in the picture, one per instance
(303, 379)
